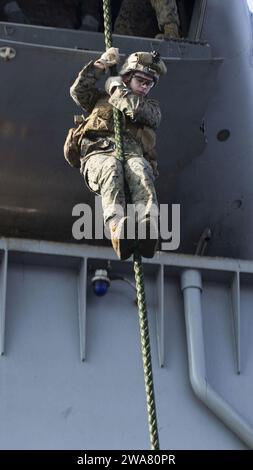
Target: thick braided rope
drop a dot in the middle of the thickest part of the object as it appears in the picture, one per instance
(146, 353)
(117, 118)
(138, 270)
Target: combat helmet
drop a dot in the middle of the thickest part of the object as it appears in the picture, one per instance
(146, 62)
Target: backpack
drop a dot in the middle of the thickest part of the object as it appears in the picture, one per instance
(72, 145)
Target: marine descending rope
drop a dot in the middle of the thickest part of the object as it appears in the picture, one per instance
(138, 268)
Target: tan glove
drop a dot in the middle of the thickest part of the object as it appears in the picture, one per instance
(109, 58)
(111, 83)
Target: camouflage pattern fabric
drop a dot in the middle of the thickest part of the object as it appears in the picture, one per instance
(140, 115)
(104, 175)
(101, 169)
(85, 93)
(142, 111)
(166, 12)
(128, 20)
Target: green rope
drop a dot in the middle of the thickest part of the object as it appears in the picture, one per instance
(117, 116)
(138, 269)
(146, 353)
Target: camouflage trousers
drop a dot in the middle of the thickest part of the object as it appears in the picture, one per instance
(104, 175)
(166, 12)
(128, 20)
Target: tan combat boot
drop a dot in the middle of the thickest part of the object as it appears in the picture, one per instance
(148, 237)
(170, 32)
(122, 246)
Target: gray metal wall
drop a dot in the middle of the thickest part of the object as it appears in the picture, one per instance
(221, 196)
(50, 399)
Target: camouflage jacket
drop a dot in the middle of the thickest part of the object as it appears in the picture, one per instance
(141, 116)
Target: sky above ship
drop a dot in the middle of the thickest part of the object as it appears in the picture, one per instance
(250, 5)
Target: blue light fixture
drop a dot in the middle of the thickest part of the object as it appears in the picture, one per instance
(100, 282)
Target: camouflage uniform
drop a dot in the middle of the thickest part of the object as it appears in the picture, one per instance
(166, 12)
(128, 20)
(101, 169)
